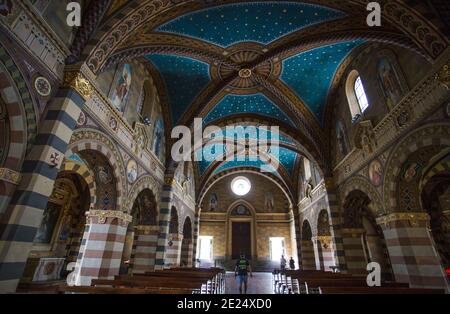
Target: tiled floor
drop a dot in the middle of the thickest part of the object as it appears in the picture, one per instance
(260, 283)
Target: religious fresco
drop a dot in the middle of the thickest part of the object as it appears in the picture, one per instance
(132, 171)
(241, 210)
(213, 201)
(121, 87)
(6, 7)
(390, 83)
(410, 171)
(144, 208)
(104, 177)
(158, 134)
(376, 173)
(341, 138)
(269, 202)
(45, 231)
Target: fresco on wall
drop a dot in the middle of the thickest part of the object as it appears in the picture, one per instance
(132, 171)
(341, 138)
(5, 7)
(47, 227)
(145, 208)
(158, 133)
(269, 202)
(389, 83)
(213, 202)
(121, 87)
(375, 173)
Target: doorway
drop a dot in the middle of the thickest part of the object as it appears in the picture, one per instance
(241, 239)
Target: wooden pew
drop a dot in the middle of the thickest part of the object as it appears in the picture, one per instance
(185, 287)
(378, 290)
(111, 290)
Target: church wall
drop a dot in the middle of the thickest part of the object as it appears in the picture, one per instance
(257, 195)
(267, 229)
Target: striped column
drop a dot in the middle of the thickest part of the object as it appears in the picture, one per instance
(326, 255)
(143, 255)
(308, 257)
(164, 220)
(335, 225)
(298, 237)
(173, 250)
(186, 258)
(39, 171)
(195, 236)
(413, 257)
(354, 251)
(102, 246)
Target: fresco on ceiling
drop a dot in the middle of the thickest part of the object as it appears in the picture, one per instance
(311, 73)
(261, 22)
(121, 88)
(257, 103)
(390, 83)
(184, 79)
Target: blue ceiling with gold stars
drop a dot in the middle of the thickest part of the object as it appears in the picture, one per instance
(261, 22)
(257, 103)
(310, 73)
(184, 78)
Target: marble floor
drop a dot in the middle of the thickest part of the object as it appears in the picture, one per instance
(260, 283)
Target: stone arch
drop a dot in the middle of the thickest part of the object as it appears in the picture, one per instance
(145, 208)
(306, 230)
(84, 173)
(363, 184)
(174, 224)
(90, 139)
(308, 256)
(435, 134)
(20, 108)
(145, 182)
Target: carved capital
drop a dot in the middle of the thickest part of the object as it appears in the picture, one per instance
(170, 181)
(325, 241)
(107, 216)
(443, 76)
(10, 176)
(77, 81)
(410, 219)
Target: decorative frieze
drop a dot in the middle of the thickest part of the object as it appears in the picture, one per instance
(107, 216)
(10, 176)
(411, 219)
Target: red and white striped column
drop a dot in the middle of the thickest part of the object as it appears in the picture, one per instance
(414, 258)
(102, 246)
(143, 255)
(354, 250)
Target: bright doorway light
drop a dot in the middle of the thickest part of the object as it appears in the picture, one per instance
(276, 248)
(205, 244)
(241, 186)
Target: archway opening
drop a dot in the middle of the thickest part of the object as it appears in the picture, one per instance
(187, 244)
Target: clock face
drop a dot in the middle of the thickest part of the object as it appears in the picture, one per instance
(42, 86)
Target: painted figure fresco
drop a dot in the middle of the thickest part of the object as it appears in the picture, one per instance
(5, 7)
(145, 206)
(213, 202)
(375, 172)
(157, 137)
(341, 139)
(269, 202)
(47, 227)
(121, 89)
(132, 171)
(389, 83)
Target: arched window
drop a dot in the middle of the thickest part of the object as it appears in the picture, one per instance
(361, 94)
(356, 95)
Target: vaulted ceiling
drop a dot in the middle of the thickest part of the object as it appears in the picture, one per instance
(253, 62)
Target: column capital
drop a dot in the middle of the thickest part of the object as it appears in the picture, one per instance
(107, 216)
(411, 219)
(9, 175)
(146, 229)
(325, 240)
(80, 79)
(170, 181)
(352, 232)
